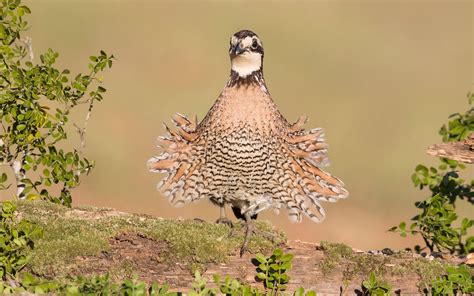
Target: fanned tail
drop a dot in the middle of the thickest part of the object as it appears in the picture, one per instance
(303, 183)
(180, 161)
(309, 145)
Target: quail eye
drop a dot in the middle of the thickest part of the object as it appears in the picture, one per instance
(254, 44)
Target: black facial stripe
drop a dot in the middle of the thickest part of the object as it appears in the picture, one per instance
(242, 35)
(259, 49)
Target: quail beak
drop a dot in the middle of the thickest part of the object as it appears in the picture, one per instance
(236, 50)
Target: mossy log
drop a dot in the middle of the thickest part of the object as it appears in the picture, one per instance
(88, 241)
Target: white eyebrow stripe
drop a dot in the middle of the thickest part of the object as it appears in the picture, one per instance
(234, 40)
(247, 41)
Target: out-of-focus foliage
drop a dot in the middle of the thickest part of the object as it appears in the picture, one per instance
(457, 281)
(375, 287)
(103, 285)
(460, 125)
(15, 239)
(273, 270)
(94, 285)
(36, 101)
(438, 212)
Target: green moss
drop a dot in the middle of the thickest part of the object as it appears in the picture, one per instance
(62, 243)
(427, 271)
(364, 264)
(333, 254)
(76, 232)
(126, 270)
(341, 258)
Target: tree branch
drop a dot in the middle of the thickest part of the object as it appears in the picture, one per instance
(20, 174)
(462, 151)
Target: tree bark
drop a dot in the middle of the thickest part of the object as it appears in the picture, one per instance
(462, 151)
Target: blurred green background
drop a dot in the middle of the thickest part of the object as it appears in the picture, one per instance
(380, 76)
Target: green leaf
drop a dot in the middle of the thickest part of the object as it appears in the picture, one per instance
(278, 253)
(261, 275)
(402, 226)
(287, 257)
(286, 265)
(274, 266)
(299, 292)
(260, 258)
(20, 127)
(457, 130)
(284, 278)
(421, 169)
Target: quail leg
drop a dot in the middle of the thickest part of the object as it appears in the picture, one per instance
(267, 235)
(223, 217)
(250, 228)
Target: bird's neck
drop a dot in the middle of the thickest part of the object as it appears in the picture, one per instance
(255, 78)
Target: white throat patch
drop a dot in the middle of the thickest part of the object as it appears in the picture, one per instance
(246, 63)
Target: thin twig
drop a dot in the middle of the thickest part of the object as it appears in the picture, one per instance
(29, 47)
(82, 131)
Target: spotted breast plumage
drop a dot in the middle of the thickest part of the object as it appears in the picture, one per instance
(245, 153)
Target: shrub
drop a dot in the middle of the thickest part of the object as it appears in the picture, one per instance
(95, 285)
(15, 239)
(457, 280)
(438, 212)
(36, 101)
(273, 270)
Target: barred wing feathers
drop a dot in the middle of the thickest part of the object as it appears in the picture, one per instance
(302, 183)
(181, 161)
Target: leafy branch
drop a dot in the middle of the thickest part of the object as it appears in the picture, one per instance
(438, 212)
(36, 101)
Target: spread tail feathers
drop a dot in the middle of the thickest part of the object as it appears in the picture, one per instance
(303, 184)
(180, 161)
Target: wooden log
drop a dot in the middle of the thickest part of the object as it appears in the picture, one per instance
(462, 151)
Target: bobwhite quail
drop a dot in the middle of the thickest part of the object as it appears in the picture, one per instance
(245, 153)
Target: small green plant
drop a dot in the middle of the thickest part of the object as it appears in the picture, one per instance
(273, 270)
(199, 286)
(375, 287)
(15, 239)
(457, 280)
(233, 287)
(39, 286)
(438, 214)
(133, 286)
(103, 285)
(36, 101)
(301, 292)
(156, 290)
(96, 285)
